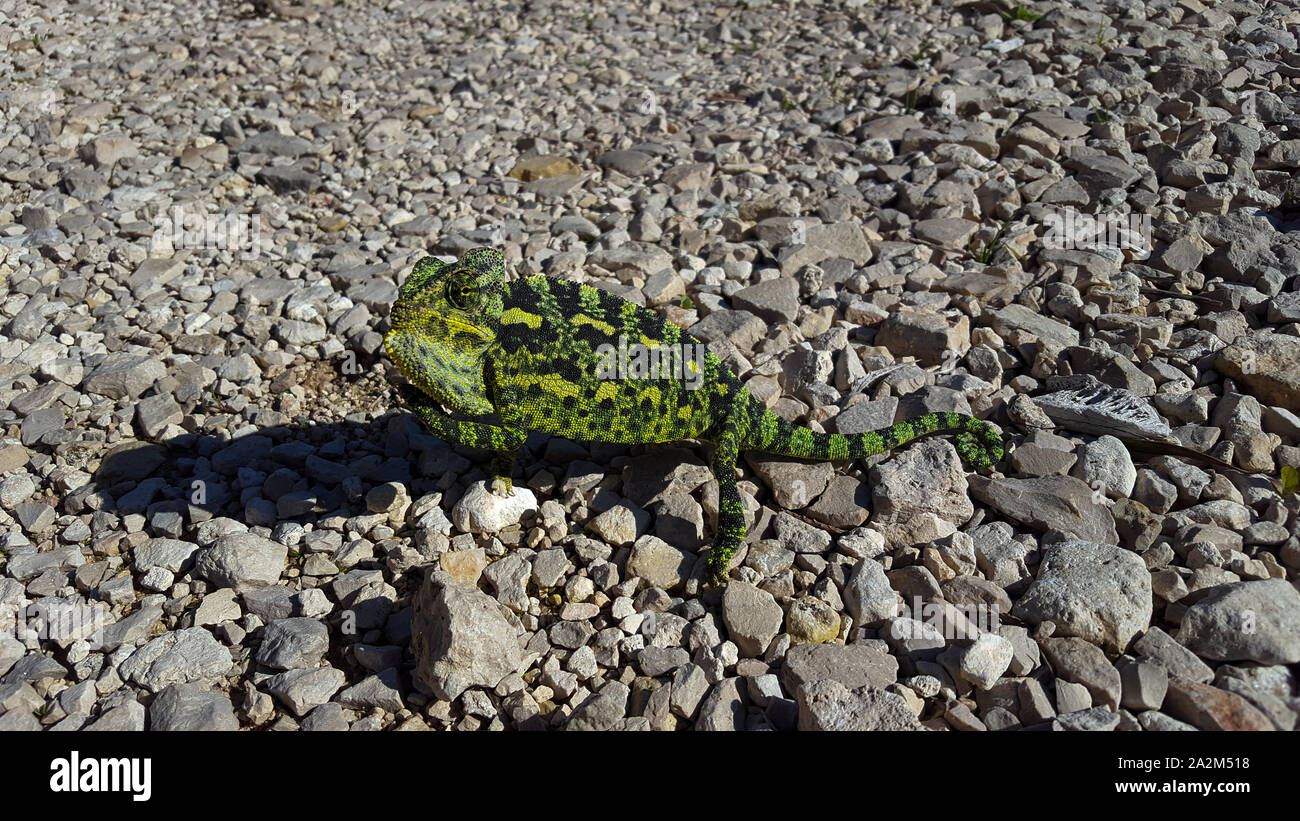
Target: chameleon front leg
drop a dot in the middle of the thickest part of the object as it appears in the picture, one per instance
(731, 512)
(503, 441)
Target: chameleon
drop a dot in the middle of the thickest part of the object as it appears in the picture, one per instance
(533, 350)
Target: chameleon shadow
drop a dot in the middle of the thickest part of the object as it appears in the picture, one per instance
(277, 475)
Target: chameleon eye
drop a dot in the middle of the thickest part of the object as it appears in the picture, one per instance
(460, 296)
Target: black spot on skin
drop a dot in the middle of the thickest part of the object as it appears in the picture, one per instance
(593, 337)
(569, 370)
(650, 323)
(567, 299)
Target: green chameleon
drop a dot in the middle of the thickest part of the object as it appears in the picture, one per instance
(534, 351)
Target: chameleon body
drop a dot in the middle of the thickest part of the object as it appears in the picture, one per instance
(534, 350)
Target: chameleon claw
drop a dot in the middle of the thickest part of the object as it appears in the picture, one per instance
(503, 486)
(717, 577)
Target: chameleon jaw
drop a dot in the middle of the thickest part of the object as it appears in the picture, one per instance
(457, 325)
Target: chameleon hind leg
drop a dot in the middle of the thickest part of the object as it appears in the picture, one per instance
(504, 442)
(731, 512)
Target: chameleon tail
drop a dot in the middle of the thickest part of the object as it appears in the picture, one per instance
(978, 444)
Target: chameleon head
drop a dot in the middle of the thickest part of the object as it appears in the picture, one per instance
(445, 317)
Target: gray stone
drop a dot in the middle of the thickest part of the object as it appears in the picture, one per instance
(1035, 708)
(723, 708)
(303, 690)
(846, 503)
(571, 634)
(1159, 722)
(178, 657)
(752, 616)
(867, 416)
(1100, 409)
(127, 717)
(274, 601)
(630, 163)
(793, 483)
(657, 661)
(124, 375)
(925, 478)
(154, 413)
(775, 300)
(19, 696)
(129, 630)
(1061, 503)
(290, 643)
(188, 707)
(1097, 592)
(25, 567)
(1105, 463)
(927, 335)
(1268, 364)
(1247, 621)
(1094, 719)
(1018, 321)
(35, 517)
(242, 561)
(172, 554)
(461, 638)
(381, 690)
(769, 558)
(829, 705)
(1071, 697)
(277, 145)
(328, 717)
(549, 567)
(853, 665)
(243, 451)
(1159, 646)
(482, 511)
(602, 710)
(741, 328)
(689, 687)
(1080, 662)
(658, 563)
(509, 578)
(287, 179)
(216, 607)
(1143, 684)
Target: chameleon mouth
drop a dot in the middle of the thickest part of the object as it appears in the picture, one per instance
(461, 326)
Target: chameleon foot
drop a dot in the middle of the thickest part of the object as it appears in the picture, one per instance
(718, 573)
(503, 486)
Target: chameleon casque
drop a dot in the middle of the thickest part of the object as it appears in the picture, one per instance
(529, 350)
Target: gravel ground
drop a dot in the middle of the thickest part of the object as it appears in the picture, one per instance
(1082, 227)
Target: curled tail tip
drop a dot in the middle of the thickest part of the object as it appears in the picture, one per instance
(988, 448)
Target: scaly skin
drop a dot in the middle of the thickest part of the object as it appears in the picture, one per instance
(530, 352)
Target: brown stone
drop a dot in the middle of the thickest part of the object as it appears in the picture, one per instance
(546, 165)
(1210, 708)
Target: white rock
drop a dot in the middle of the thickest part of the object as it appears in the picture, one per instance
(482, 511)
(984, 662)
